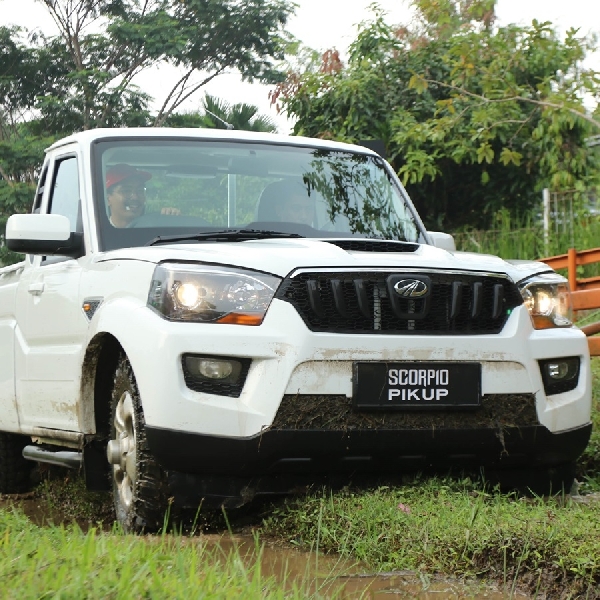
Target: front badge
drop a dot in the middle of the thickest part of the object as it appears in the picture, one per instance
(409, 295)
(411, 288)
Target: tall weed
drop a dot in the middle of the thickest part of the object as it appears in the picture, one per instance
(523, 237)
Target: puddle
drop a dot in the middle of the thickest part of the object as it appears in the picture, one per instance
(324, 576)
(333, 577)
(38, 512)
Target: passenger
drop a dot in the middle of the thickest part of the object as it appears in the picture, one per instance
(126, 194)
(287, 201)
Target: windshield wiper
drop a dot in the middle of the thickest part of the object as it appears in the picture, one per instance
(226, 235)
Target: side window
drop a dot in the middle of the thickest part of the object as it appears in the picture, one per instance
(64, 199)
(37, 202)
(64, 195)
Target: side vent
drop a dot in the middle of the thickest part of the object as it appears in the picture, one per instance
(363, 245)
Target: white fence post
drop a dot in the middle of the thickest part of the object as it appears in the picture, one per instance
(546, 199)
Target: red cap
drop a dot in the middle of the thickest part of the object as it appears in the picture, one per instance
(118, 173)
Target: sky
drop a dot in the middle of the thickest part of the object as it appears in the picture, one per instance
(322, 24)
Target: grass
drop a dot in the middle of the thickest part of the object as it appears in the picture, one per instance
(65, 562)
(430, 526)
(522, 237)
(453, 527)
(588, 472)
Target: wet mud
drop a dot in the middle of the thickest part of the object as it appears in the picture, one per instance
(334, 577)
(337, 413)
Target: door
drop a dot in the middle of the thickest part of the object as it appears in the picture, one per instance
(51, 325)
(9, 281)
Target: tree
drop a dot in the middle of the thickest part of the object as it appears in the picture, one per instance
(474, 117)
(219, 114)
(20, 148)
(103, 45)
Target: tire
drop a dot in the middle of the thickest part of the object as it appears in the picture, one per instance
(140, 490)
(14, 469)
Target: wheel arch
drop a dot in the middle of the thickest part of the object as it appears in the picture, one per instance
(99, 365)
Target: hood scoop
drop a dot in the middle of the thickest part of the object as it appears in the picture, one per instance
(362, 245)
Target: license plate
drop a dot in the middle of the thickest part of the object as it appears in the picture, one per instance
(416, 385)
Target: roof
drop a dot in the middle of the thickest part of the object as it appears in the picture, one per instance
(92, 135)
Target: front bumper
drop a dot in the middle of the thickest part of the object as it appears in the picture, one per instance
(287, 358)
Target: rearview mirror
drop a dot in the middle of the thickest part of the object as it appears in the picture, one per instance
(442, 240)
(49, 235)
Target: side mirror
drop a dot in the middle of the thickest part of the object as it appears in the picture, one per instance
(442, 240)
(49, 235)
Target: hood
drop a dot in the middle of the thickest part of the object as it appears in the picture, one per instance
(282, 256)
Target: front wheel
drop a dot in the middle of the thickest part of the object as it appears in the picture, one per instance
(140, 489)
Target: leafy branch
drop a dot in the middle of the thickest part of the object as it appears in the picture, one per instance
(577, 111)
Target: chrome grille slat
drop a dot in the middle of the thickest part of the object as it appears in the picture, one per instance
(456, 299)
(338, 297)
(362, 298)
(477, 299)
(498, 298)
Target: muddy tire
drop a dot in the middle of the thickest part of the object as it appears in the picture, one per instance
(14, 469)
(139, 484)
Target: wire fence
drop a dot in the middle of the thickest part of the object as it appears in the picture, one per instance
(568, 220)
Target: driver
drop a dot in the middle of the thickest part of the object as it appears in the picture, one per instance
(297, 208)
(126, 194)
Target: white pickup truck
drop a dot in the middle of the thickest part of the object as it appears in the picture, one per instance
(207, 316)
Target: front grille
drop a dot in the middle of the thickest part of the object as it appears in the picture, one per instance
(336, 413)
(365, 302)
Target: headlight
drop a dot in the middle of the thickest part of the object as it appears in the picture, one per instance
(548, 300)
(205, 294)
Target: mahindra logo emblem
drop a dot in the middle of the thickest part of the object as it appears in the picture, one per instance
(411, 288)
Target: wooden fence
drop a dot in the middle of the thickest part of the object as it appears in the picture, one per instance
(585, 292)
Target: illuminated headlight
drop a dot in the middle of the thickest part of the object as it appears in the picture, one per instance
(182, 292)
(548, 300)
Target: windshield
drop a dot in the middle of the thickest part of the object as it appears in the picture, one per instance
(150, 188)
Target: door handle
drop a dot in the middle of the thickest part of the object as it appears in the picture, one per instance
(36, 289)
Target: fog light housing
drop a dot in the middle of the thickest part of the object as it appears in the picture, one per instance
(558, 370)
(560, 374)
(220, 375)
(209, 368)
(226, 370)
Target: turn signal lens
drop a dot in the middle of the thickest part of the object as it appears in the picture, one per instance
(242, 319)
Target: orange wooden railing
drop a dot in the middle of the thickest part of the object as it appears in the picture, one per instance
(585, 293)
